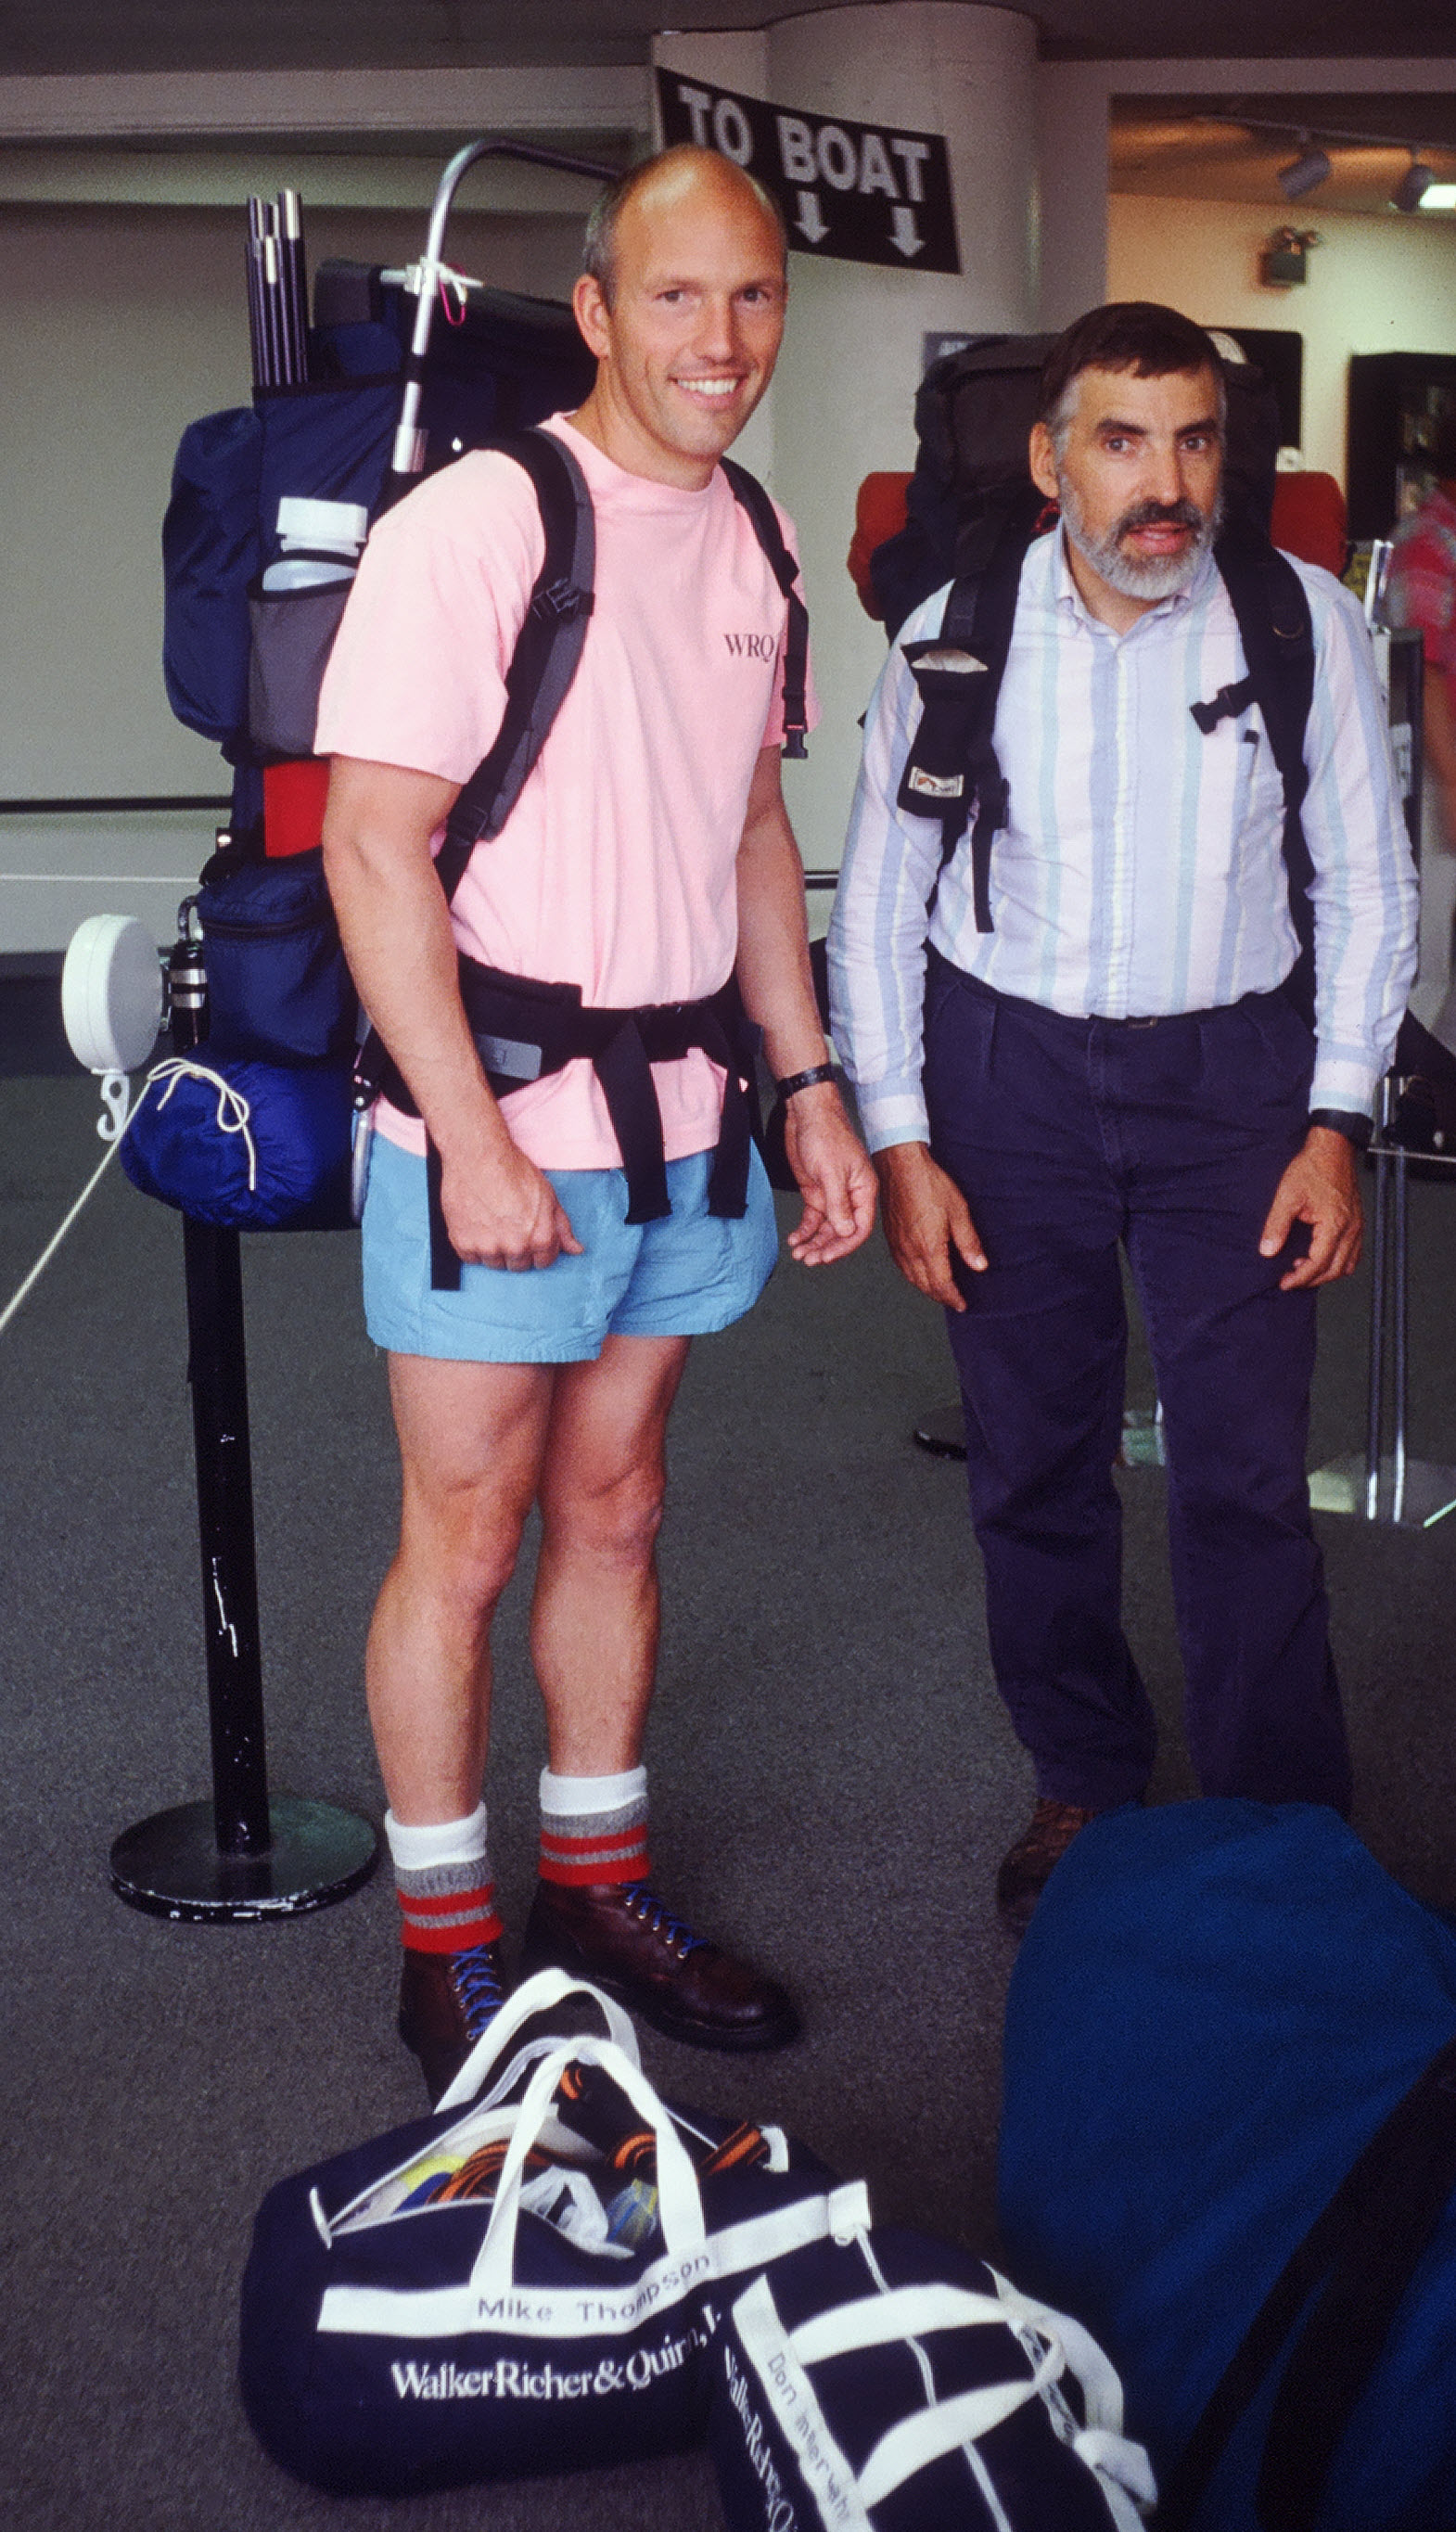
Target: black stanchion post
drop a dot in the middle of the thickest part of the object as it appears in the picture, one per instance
(217, 1368)
(241, 1856)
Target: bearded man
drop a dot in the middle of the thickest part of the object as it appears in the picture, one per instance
(1115, 1063)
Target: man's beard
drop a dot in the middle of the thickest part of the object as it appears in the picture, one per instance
(1134, 575)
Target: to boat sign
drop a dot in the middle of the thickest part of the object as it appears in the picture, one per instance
(852, 189)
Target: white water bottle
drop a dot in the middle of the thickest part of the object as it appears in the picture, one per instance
(322, 542)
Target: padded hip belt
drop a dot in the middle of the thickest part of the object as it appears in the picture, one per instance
(524, 1031)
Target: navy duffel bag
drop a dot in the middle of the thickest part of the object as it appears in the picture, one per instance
(528, 2280)
(883, 2382)
(1229, 2145)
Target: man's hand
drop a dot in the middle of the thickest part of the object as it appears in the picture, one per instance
(835, 1176)
(1320, 1188)
(501, 1211)
(926, 1220)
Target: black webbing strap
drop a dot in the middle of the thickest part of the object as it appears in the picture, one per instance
(525, 1031)
(544, 661)
(547, 654)
(1365, 2248)
(750, 494)
(1278, 638)
(953, 765)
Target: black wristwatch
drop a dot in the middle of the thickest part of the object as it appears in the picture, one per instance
(808, 1079)
(1356, 1127)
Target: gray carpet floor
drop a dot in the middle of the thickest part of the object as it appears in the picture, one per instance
(833, 1780)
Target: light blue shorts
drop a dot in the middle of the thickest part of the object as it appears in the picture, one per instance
(684, 1276)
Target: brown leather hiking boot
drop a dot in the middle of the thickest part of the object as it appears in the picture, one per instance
(621, 1937)
(1030, 1864)
(446, 2000)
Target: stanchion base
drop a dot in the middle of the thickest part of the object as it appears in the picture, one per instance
(1341, 1486)
(943, 1434)
(171, 1864)
(1142, 1439)
(943, 1431)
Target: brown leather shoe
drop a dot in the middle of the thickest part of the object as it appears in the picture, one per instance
(621, 1937)
(446, 2000)
(1029, 1866)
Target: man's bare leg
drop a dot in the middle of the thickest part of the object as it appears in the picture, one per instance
(594, 1619)
(594, 1641)
(472, 1436)
(471, 1440)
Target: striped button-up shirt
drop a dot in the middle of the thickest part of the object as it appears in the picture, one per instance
(1140, 871)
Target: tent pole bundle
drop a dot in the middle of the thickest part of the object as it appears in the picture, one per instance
(277, 291)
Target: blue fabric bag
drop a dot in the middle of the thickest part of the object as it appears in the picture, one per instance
(212, 549)
(328, 443)
(278, 988)
(246, 1146)
(1218, 2036)
(881, 2381)
(512, 2285)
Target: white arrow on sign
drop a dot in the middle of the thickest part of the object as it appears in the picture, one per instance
(902, 230)
(811, 219)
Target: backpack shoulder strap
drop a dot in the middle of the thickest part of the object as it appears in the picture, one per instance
(546, 655)
(1277, 632)
(952, 761)
(751, 497)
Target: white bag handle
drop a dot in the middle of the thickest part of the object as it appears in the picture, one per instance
(679, 2204)
(904, 2312)
(924, 2438)
(1101, 2387)
(535, 1995)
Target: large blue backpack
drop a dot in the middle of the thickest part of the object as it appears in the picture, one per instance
(1229, 2145)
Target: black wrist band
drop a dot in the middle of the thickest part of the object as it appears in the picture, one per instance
(1354, 1125)
(793, 1082)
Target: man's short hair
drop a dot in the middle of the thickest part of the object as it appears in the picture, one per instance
(599, 254)
(1130, 334)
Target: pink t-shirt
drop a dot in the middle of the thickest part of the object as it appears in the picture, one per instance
(616, 868)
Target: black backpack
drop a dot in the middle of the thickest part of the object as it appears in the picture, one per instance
(972, 511)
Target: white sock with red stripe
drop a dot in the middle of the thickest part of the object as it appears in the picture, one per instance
(594, 1828)
(443, 1874)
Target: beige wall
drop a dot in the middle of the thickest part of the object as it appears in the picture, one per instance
(1375, 285)
(121, 326)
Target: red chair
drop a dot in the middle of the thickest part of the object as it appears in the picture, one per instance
(879, 513)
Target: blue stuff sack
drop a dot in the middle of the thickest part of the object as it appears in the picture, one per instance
(1218, 2007)
(245, 1146)
(883, 2382)
(278, 989)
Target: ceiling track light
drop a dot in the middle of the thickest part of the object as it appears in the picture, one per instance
(1413, 184)
(1302, 174)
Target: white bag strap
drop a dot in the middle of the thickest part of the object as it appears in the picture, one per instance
(679, 2204)
(904, 2312)
(1101, 2389)
(924, 2438)
(535, 1995)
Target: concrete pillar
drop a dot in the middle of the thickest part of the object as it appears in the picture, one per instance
(851, 362)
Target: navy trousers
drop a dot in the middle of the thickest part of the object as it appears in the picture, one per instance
(1070, 1138)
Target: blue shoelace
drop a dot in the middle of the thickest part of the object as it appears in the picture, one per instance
(660, 1919)
(477, 1984)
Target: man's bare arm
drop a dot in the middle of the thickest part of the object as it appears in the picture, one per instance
(498, 1208)
(833, 1171)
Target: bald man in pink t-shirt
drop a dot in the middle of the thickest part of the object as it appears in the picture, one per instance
(648, 859)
